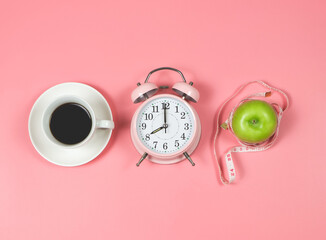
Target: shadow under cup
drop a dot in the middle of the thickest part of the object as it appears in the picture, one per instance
(69, 121)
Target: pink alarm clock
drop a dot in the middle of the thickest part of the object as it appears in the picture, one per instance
(165, 128)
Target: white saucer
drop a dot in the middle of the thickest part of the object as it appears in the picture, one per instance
(69, 156)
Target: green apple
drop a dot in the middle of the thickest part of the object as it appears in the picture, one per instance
(254, 121)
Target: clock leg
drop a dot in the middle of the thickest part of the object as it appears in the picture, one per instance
(142, 159)
(189, 158)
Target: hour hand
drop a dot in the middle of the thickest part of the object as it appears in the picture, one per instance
(157, 130)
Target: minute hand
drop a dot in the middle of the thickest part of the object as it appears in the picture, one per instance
(164, 114)
(165, 125)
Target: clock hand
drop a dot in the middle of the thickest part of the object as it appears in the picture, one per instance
(157, 130)
(165, 125)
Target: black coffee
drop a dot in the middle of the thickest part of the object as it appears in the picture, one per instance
(70, 123)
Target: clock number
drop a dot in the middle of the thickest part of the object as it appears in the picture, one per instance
(143, 126)
(155, 144)
(176, 109)
(167, 105)
(155, 109)
(183, 115)
(148, 116)
(176, 143)
(165, 145)
(186, 126)
(147, 137)
(183, 136)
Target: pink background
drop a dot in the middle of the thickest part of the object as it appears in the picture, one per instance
(111, 45)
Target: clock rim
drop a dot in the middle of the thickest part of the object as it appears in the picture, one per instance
(171, 157)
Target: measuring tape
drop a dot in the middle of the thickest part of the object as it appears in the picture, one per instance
(246, 147)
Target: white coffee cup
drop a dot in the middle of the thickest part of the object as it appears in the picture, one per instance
(97, 124)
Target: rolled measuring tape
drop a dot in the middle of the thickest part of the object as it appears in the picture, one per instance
(246, 146)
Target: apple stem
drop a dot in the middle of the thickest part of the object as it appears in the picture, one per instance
(224, 126)
(268, 94)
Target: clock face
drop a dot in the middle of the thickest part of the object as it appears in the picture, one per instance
(165, 125)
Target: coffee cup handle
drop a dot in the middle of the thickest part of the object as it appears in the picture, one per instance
(105, 124)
